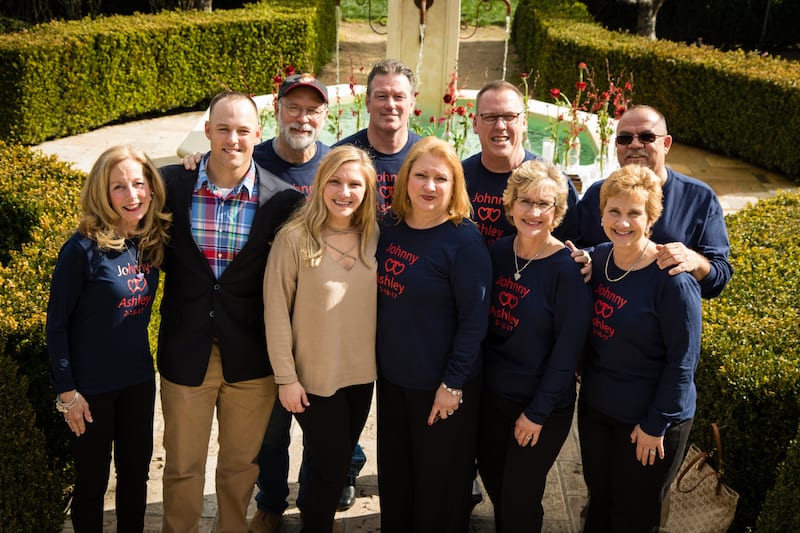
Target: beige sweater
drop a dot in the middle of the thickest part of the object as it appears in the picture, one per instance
(320, 321)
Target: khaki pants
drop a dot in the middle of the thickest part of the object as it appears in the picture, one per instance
(243, 411)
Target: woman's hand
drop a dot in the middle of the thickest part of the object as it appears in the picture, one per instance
(647, 446)
(78, 415)
(583, 259)
(526, 432)
(293, 397)
(445, 404)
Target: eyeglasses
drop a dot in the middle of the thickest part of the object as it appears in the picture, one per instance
(527, 204)
(490, 119)
(646, 137)
(294, 111)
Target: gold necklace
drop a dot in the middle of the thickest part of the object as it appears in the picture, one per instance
(608, 259)
(517, 269)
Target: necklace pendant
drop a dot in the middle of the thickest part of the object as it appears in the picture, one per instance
(517, 275)
(139, 276)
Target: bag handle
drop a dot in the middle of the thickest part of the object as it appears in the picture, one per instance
(698, 462)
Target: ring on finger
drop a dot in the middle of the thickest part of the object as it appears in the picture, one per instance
(450, 412)
(652, 452)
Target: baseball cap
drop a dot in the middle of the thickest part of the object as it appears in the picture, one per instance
(303, 80)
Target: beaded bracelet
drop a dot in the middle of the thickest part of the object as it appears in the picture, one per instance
(454, 392)
(64, 407)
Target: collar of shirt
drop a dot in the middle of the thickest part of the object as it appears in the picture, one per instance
(249, 181)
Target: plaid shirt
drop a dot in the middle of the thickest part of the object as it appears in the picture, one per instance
(221, 225)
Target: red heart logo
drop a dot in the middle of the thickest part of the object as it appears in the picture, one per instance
(507, 299)
(489, 213)
(394, 267)
(603, 309)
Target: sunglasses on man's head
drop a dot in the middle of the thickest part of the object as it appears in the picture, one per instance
(645, 137)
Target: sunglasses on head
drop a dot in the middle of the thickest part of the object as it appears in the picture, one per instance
(646, 137)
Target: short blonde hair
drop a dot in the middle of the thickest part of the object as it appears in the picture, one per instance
(99, 220)
(537, 175)
(459, 207)
(312, 215)
(637, 181)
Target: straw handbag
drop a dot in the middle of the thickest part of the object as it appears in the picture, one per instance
(699, 502)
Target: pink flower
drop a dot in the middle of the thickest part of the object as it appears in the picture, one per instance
(582, 65)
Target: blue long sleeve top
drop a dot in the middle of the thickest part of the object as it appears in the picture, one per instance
(298, 175)
(485, 190)
(537, 330)
(386, 165)
(644, 345)
(97, 318)
(692, 215)
(433, 300)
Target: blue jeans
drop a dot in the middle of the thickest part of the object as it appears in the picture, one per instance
(273, 463)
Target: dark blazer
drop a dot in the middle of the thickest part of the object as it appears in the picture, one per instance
(197, 307)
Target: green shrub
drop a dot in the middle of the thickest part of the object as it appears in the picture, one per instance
(46, 191)
(748, 379)
(30, 499)
(779, 513)
(63, 78)
(730, 102)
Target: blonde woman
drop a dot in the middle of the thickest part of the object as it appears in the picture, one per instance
(637, 398)
(319, 312)
(100, 363)
(538, 322)
(433, 299)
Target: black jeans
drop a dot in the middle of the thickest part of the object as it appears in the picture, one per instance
(123, 418)
(625, 497)
(425, 472)
(331, 427)
(515, 476)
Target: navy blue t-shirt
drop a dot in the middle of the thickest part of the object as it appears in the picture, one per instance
(485, 190)
(298, 175)
(97, 318)
(644, 345)
(433, 300)
(537, 330)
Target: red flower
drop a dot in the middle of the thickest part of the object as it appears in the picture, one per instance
(524, 76)
(628, 86)
(555, 93)
(461, 110)
(618, 111)
(289, 70)
(605, 95)
(278, 79)
(470, 105)
(432, 119)
(448, 98)
(417, 112)
(581, 85)
(582, 65)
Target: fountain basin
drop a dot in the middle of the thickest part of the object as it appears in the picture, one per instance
(540, 114)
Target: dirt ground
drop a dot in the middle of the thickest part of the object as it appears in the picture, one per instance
(477, 62)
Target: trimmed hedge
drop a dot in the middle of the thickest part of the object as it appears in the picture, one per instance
(779, 513)
(46, 191)
(30, 499)
(748, 379)
(63, 78)
(730, 102)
